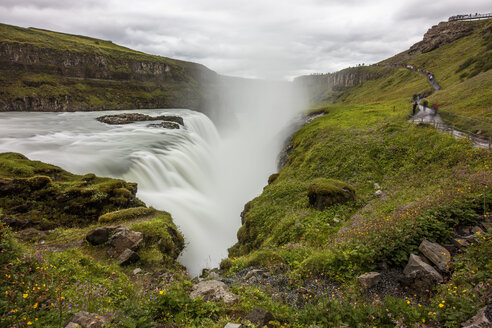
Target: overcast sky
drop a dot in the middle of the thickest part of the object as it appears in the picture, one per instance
(249, 38)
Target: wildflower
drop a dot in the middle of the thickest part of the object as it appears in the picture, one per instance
(29, 323)
(161, 292)
(24, 295)
(441, 305)
(35, 305)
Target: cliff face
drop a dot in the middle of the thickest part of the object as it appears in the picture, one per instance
(47, 71)
(441, 34)
(327, 87)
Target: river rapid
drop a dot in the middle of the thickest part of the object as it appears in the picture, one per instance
(202, 178)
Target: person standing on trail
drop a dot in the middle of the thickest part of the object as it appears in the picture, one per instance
(414, 107)
(435, 106)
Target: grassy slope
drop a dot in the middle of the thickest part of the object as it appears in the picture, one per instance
(431, 183)
(180, 89)
(465, 100)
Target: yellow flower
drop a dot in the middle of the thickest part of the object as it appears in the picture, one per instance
(6, 292)
(423, 320)
(35, 305)
(441, 305)
(24, 295)
(408, 302)
(161, 292)
(29, 323)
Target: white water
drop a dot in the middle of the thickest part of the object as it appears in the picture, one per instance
(203, 180)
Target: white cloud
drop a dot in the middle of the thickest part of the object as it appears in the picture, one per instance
(251, 38)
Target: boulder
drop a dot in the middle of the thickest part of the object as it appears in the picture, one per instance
(369, 280)
(323, 193)
(214, 291)
(122, 239)
(99, 236)
(166, 125)
(127, 118)
(482, 319)
(420, 276)
(260, 317)
(86, 320)
(128, 257)
(436, 254)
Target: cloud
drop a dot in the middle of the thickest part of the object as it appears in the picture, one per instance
(251, 38)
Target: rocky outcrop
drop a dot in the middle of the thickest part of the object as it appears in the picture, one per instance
(369, 280)
(323, 193)
(99, 236)
(127, 118)
(442, 34)
(214, 291)
(325, 87)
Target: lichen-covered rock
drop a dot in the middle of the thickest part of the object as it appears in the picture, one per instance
(369, 280)
(420, 276)
(127, 118)
(214, 291)
(123, 239)
(128, 257)
(483, 319)
(86, 320)
(260, 317)
(437, 254)
(323, 192)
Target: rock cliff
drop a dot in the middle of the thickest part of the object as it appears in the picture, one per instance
(48, 71)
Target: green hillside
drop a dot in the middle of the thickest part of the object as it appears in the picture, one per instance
(50, 71)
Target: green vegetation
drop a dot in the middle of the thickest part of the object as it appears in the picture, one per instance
(126, 214)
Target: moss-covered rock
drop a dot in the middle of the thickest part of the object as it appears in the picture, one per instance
(47, 196)
(126, 214)
(323, 192)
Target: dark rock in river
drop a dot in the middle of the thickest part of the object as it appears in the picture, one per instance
(166, 125)
(127, 118)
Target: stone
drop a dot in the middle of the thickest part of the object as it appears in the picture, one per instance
(252, 273)
(420, 276)
(214, 291)
(73, 325)
(476, 230)
(137, 271)
(378, 193)
(128, 257)
(481, 319)
(376, 186)
(127, 118)
(460, 243)
(260, 317)
(15, 223)
(86, 320)
(122, 239)
(369, 280)
(436, 254)
(31, 234)
(233, 325)
(98, 236)
(166, 125)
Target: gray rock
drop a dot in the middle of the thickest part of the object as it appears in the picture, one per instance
(214, 291)
(128, 257)
(420, 276)
(127, 118)
(436, 254)
(122, 239)
(86, 320)
(98, 236)
(73, 325)
(166, 125)
(477, 230)
(253, 272)
(369, 280)
(378, 193)
(480, 319)
(137, 271)
(260, 317)
(233, 325)
(376, 186)
(460, 243)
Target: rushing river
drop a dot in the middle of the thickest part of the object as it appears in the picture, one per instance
(203, 180)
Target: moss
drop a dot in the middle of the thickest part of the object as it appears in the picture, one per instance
(272, 178)
(327, 192)
(125, 214)
(47, 196)
(161, 233)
